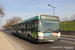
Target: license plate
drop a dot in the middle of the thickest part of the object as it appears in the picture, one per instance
(50, 40)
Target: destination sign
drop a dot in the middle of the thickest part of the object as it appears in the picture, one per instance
(43, 17)
(52, 18)
(48, 17)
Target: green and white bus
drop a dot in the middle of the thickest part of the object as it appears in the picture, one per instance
(41, 28)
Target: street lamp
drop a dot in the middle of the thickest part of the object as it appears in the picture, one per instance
(53, 9)
(66, 10)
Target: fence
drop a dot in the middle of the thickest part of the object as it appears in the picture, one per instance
(67, 26)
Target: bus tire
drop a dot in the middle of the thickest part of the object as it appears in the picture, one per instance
(29, 38)
(19, 36)
(12, 33)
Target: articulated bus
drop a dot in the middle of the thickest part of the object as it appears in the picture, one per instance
(41, 28)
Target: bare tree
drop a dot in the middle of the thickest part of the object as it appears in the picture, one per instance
(62, 19)
(11, 21)
(72, 18)
(1, 11)
(16, 19)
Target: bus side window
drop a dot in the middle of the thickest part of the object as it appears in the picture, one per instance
(27, 26)
(24, 26)
(35, 26)
(30, 26)
(18, 26)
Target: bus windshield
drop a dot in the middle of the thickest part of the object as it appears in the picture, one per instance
(49, 26)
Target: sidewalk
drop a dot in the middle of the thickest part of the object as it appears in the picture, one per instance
(4, 43)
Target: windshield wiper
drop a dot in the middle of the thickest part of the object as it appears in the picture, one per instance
(48, 29)
(51, 30)
(55, 31)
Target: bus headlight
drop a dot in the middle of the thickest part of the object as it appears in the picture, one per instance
(40, 37)
(41, 34)
(59, 34)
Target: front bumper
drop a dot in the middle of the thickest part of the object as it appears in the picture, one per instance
(49, 39)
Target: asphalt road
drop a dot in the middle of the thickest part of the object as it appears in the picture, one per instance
(66, 43)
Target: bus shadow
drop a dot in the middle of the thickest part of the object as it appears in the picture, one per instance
(31, 41)
(36, 42)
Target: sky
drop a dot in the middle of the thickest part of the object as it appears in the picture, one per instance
(29, 8)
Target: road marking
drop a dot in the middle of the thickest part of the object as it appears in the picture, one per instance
(68, 38)
(67, 41)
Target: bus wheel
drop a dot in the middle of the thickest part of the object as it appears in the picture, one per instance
(29, 39)
(13, 33)
(19, 36)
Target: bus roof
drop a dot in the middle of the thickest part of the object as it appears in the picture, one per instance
(14, 24)
(36, 17)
